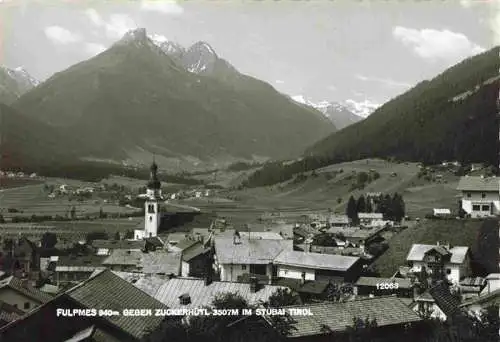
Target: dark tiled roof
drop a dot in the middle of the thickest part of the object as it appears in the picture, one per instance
(472, 183)
(446, 301)
(155, 241)
(24, 288)
(9, 313)
(338, 316)
(185, 243)
(108, 291)
(473, 281)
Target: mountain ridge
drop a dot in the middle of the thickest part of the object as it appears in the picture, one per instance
(136, 100)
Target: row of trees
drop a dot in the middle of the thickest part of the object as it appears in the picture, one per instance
(392, 207)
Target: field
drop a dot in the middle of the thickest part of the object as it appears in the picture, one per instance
(480, 236)
(331, 187)
(7, 183)
(34, 200)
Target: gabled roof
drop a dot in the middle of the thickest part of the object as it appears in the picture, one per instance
(418, 251)
(25, 289)
(446, 301)
(338, 316)
(315, 260)
(473, 183)
(249, 251)
(108, 291)
(202, 295)
(124, 257)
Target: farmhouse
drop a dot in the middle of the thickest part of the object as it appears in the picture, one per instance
(72, 269)
(236, 256)
(154, 263)
(451, 262)
(371, 219)
(338, 221)
(480, 196)
(194, 260)
(316, 266)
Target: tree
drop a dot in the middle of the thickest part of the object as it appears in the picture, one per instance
(73, 212)
(369, 205)
(117, 236)
(351, 209)
(2, 219)
(361, 204)
(283, 297)
(129, 234)
(49, 240)
(397, 207)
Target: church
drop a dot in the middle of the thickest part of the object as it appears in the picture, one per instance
(159, 216)
(152, 210)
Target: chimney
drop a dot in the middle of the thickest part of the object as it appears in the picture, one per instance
(185, 299)
(254, 284)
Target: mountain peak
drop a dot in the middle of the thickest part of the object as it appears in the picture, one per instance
(136, 36)
(203, 46)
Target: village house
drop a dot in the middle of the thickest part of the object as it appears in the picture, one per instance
(477, 305)
(492, 283)
(154, 263)
(358, 237)
(450, 262)
(316, 266)
(21, 257)
(73, 269)
(480, 196)
(194, 260)
(103, 291)
(338, 221)
(21, 294)
(236, 256)
(437, 302)
(372, 219)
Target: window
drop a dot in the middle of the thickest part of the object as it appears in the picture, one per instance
(151, 208)
(483, 195)
(243, 267)
(485, 208)
(468, 195)
(27, 305)
(476, 207)
(448, 271)
(151, 219)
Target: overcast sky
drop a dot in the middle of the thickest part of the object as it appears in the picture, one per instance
(324, 50)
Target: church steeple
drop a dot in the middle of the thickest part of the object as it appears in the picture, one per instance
(154, 183)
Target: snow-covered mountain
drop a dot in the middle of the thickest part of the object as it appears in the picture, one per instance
(14, 83)
(339, 114)
(363, 108)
